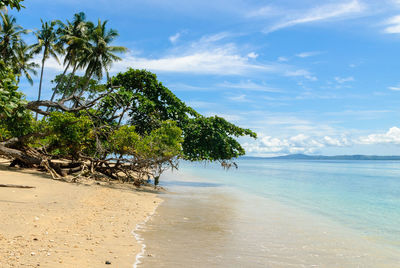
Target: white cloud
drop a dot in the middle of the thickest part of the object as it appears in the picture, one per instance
(252, 55)
(248, 85)
(282, 59)
(321, 13)
(396, 88)
(219, 61)
(308, 54)
(342, 80)
(174, 38)
(301, 143)
(50, 64)
(303, 73)
(390, 137)
(265, 11)
(393, 25)
(208, 56)
(267, 145)
(239, 98)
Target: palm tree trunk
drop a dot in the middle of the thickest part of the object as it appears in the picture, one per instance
(58, 84)
(40, 83)
(71, 78)
(88, 77)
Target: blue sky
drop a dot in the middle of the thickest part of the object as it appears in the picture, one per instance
(316, 77)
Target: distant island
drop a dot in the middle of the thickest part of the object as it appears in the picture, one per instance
(336, 157)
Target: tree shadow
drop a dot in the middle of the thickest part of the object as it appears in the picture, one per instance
(109, 184)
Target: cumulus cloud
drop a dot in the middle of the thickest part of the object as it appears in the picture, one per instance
(301, 143)
(390, 137)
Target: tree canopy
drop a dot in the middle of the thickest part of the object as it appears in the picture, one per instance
(129, 127)
(11, 3)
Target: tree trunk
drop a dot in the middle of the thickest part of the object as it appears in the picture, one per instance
(40, 83)
(88, 77)
(27, 159)
(70, 79)
(58, 84)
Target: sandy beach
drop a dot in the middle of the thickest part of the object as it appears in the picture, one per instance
(59, 224)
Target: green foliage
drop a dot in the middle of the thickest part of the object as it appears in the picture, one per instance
(67, 84)
(141, 123)
(47, 41)
(161, 143)
(15, 120)
(11, 3)
(148, 103)
(212, 139)
(10, 38)
(99, 55)
(124, 141)
(69, 134)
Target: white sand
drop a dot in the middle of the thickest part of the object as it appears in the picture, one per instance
(59, 224)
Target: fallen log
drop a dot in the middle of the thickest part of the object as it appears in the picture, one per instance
(17, 186)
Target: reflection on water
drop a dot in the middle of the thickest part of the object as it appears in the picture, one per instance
(216, 225)
(191, 184)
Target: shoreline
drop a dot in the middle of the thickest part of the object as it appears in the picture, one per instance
(211, 224)
(60, 224)
(140, 239)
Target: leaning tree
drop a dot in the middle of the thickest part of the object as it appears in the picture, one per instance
(131, 129)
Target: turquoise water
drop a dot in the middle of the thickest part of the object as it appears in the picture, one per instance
(278, 213)
(362, 195)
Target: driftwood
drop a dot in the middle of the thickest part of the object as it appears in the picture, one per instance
(17, 186)
(133, 169)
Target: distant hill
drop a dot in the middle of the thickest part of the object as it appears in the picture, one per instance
(336, 157)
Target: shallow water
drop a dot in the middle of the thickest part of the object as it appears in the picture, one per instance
(271, 213)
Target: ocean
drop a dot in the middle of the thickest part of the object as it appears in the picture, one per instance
(277, 213)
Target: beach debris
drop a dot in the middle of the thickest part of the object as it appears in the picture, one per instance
(108, 262)
(17, 186)
(33, 253)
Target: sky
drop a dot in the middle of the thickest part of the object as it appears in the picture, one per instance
(313, 77)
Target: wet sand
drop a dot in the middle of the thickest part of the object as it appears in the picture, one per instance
(59, 224)
(209, 225)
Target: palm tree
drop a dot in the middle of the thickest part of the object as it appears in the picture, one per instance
(100, 55)
(23, 63)
(10, 36)
(47, 39)
(75, 35)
